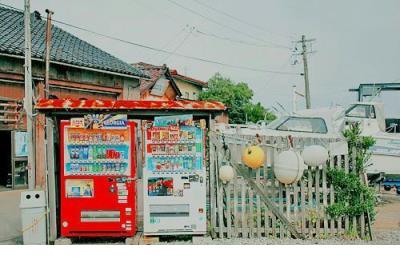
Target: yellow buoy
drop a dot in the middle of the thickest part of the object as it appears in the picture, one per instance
(253, 157)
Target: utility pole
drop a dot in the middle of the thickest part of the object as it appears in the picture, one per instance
(47, 55)
(304, 53)
(28, 95)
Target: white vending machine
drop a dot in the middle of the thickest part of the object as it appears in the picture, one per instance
(174, 176)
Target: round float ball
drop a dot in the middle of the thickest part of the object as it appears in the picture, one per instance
(288, 167)
(226, 173)
(253, 157)
(315, 155)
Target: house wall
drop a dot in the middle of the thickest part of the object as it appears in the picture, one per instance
(169, 94)
(188, 88)
(65, 81)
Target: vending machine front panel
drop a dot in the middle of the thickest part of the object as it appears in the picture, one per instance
(97, 180)
(174, 177)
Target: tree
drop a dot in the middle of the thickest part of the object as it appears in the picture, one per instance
(237, 97)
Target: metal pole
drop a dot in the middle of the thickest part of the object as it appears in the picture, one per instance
(47, 55)
(307, 85)
(28, 96)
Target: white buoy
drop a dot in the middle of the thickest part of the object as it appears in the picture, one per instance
(226, 173)
(315, 155)
(289, 167)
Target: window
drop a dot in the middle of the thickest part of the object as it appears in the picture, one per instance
(361, 111)
(307, 125)
(186, 95)
(194, 96)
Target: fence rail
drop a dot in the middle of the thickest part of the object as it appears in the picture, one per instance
(238, 211)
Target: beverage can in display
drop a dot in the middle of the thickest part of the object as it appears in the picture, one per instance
(90, 153)
(123, 167)
(85, 152)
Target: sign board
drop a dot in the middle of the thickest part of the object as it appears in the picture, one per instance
(78, 123)
(20, 144)
(101, 121)
(164, 121)
(159, 87)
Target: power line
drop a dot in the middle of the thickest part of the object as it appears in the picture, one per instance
(237, 41)
(174, 37)
(179, 45)
(223, 25)
(241, 20)
(211, 34)
(167, 52)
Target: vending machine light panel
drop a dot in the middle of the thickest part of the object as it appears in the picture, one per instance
(98, 178)
(174, 176)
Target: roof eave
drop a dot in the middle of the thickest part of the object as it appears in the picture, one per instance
(79, 67)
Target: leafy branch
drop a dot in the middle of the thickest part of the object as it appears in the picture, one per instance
(353, 197)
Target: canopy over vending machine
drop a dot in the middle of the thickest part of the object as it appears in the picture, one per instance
(174, 176)
(97, 176)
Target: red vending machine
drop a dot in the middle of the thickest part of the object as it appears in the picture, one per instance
(97, 176)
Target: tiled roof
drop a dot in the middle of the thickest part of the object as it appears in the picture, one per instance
(176, 75)
(65, 47)
(154, 72)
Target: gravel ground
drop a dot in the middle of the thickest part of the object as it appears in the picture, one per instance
(386, 230)
(381, 238)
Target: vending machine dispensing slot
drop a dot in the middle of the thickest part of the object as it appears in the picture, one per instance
(177, 210)
(100, 216)
(174, 176)
(98, 176)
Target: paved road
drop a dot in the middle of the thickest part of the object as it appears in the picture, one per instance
(10, 220)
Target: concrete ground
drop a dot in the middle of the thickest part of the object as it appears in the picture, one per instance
(10, 219)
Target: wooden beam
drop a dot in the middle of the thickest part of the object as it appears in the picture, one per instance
(267, 201)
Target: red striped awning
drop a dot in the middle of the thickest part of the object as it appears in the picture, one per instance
(78, 104)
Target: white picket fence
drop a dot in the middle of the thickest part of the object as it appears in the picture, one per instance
(236, 210)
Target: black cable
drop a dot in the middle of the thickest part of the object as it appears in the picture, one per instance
(238, 41)
(165, 51)
(178, 46)
(222, 25)
(215, 35)
(241, 20)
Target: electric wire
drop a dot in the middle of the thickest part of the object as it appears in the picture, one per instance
(241, 20)
(204, 60)
(237, 40)
(223, 25)
(211, 34)
(166, 44)
(179, 45)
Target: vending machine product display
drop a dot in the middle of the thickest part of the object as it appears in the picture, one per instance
(98, 176)
(174, 176)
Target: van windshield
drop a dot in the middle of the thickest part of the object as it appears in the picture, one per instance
(299, 124)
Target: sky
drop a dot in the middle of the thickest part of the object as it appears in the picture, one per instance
(356, 41)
